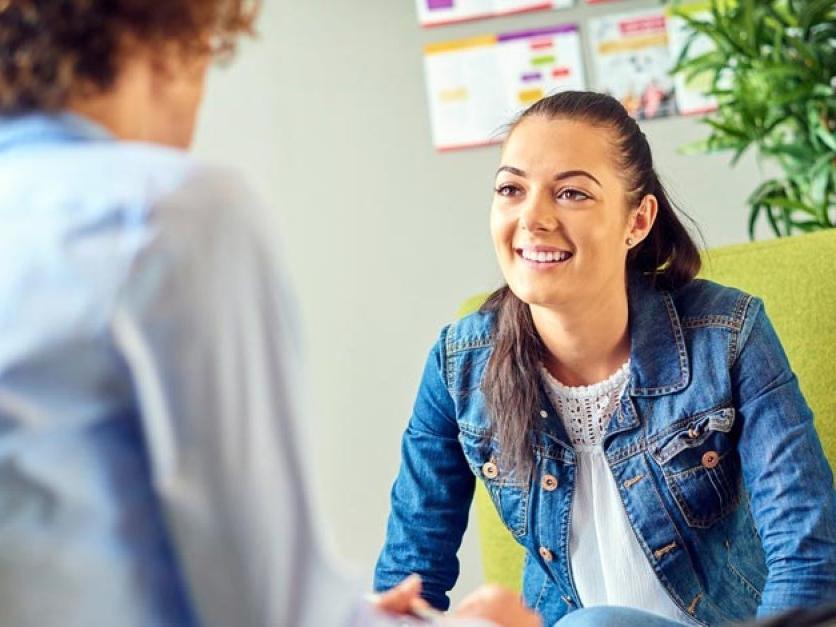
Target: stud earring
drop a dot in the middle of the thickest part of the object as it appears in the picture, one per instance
(629, 241)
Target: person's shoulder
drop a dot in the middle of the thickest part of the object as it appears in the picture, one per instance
(704, 301)
(167, 173)
(178, 193)
(209, 192)
(130, 172)
(473, 331)
(147, 178)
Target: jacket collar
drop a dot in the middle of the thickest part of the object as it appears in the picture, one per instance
(659, 360)
(35, 128)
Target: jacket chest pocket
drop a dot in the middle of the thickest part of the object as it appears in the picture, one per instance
(701, 467)
(509, 493)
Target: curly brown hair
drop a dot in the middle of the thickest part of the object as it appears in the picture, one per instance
(53, 50)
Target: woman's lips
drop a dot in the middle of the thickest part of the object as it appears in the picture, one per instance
(541, 258)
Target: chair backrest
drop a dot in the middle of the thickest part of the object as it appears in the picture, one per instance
(796, 278)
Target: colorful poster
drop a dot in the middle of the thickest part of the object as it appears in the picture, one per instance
(441, 12)
(476, 86)
(690, 94)
(632, 61)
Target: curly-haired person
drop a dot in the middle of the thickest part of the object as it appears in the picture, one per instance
(150, 471)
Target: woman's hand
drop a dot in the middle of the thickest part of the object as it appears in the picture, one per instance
(490, 602)
(405, 598)
(499, 605)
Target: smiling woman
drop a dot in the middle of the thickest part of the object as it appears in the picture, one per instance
(635, 427)
(578, 180)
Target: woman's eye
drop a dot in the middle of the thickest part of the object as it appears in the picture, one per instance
(507, 190)
(572, 194)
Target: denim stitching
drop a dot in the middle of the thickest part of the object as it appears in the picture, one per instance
(655, 565)
(675, 445)
(626, 452)
(546, 453)
(681, 351)
(685, 509)
(466, 344)
(746, 583)
(710, 321)
(741, 308)
(540, 594)
(676, 426)
(496, 497)
(646, 443)
(469, 429)
(695, 469)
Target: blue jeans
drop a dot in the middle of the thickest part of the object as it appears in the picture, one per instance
(614, 616)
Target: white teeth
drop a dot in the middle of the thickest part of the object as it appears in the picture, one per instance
(544, 257)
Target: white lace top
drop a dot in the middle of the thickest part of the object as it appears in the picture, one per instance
(607, 563)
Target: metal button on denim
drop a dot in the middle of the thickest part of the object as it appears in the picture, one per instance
(710, 459)
(490, 470)
(549, 483)
(546, 554)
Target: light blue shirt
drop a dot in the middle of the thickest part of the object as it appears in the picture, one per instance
(150, 461)
(148, 468)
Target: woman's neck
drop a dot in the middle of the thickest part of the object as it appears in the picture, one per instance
(585, 342)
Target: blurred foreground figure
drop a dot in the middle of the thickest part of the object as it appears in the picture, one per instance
(150, 472)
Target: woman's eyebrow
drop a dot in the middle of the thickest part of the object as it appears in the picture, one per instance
(511, 169)
(570, 173)
(557, 177)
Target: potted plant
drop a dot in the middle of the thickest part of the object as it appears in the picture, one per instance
(771, 67)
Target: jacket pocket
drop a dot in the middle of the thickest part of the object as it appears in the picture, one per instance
(509, 492)
(701, 467)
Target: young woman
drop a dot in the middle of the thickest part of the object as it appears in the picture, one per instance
(640, 430)
(150, 472)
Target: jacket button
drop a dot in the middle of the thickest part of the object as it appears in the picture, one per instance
(546, 554)
(490, 470)
(549, 483)
(710, 459)
(544, 413)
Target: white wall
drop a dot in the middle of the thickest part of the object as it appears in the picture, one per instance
(327, 115)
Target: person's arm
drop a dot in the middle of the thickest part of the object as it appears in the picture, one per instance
(785, 472)
(206, 329)
(432, 494)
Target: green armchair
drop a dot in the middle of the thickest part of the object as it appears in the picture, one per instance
(796, 278)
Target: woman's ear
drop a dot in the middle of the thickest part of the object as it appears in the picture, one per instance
(642, 218)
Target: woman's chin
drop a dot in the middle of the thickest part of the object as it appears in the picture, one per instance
(540, 296)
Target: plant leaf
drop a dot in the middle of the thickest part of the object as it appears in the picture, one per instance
(753, 218)
(790, 204)
(772, 222)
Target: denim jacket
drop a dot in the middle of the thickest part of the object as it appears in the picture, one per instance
(720, 469)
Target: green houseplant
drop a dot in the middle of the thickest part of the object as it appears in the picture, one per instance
(770, 65)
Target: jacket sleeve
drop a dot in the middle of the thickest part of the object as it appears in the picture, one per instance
(207, 328)
(432, 493)
(785, 471)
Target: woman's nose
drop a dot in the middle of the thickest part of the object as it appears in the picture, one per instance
(538, 214)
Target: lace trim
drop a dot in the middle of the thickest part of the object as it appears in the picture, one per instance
(581, 391)
(586, 409)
